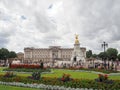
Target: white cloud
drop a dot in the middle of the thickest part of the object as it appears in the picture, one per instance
(39, 23)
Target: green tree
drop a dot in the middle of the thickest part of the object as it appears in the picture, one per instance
(118, 57)
(94, 55)
(12, 54)
(102, 55)
(4, 53)
(112, 53)
(89, 53)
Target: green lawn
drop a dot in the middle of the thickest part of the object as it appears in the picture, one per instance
(59, 73)
(4, 87)
(117, 77)
(18, 73)
(78, 75)
(1, 68)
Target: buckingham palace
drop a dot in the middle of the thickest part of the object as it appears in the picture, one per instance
(48, 54)
(51, 53)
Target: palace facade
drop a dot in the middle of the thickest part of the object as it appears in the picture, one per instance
(54, 53)
(49, 54)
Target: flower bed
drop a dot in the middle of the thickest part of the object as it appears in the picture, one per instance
(104, 79)
(65, 78)
(26, 70)
(28, 66)
(9, 74)
(75, 83)
(42, 86)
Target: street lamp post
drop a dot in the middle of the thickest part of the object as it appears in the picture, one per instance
(104, 45)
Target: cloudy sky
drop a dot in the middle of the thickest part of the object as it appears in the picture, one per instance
(42, 23)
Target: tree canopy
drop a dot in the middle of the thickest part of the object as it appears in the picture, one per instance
(94, 55)
(5, 54)
(102, 55)
(118, 57)
(112, 53)
(89, 53)
(12, 54)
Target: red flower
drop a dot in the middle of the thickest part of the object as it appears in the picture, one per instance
(62, 79)
(32, 66)
(100, 75)
(106, 75)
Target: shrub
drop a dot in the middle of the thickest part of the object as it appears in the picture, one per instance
(66, 77)
(75, 83)
(35, 76)
(75, 68)
(26, 70)
(104, 79)
(28, 66)
(9, 74)
(93, 69)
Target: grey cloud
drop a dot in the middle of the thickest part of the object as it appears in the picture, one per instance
(52, 36)
(43, 24)
(94, 20)
(3, 41)
(4, 38)
(6, 28)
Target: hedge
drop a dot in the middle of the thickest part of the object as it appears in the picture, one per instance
(75, 83)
